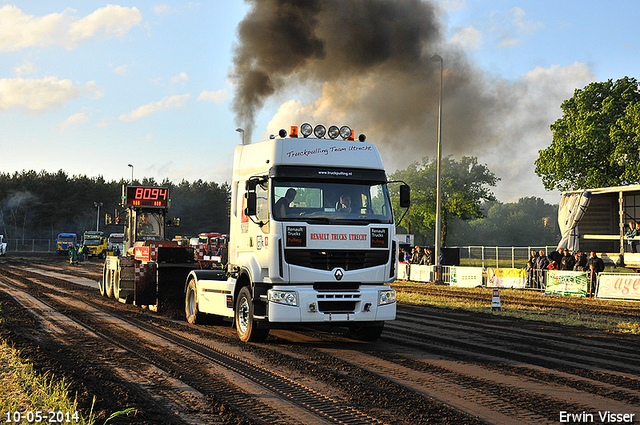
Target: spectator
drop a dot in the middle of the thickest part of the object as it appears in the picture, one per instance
(541, 265)
(416, 255)
(556, 255)
(567, 261)
(553, 265)
(631, 233)
(427, 258)
(404, 256)
(530, 269)
(595, 265)
(581, 262)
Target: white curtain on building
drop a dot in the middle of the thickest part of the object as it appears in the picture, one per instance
(571, 210)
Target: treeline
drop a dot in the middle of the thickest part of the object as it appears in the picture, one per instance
(42, 204)
(528, 222)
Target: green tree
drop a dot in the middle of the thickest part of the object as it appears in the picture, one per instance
(465, 185)
(595, 142)
(528, 222)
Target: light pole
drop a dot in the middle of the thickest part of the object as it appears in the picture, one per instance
(131, 172)
(240, 130)
(97, 204)
(438, 238)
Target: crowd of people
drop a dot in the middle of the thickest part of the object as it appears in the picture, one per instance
(420, 256)
(562, 259)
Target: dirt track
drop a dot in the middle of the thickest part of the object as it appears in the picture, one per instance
(431, 365)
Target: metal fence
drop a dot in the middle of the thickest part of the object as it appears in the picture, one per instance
(480, 256)
(498, 256)
(30, 245)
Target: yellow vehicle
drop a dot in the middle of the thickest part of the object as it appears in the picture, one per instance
(95, 243)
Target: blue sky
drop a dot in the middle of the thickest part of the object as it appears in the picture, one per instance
(90, 87)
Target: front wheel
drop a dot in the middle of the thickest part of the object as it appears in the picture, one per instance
(245, 324)
(192, 310)
(191, 304)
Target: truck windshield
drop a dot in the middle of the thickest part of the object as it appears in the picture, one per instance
(330, 202)
(66, 238)
(92, 241)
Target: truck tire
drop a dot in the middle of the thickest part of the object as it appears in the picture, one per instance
(191, 304)
(102, 284)
(115, 276)
(108, 284)
(366, 332)
(245, 324)
(192, 312)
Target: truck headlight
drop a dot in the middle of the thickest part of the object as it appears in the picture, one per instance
(284, 297)
(387, 296)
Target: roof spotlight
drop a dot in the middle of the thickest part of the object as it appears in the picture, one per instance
(362, 138)
(319, 131)
(306, 129)
(334, 132)
(345, 132)
(282, 133)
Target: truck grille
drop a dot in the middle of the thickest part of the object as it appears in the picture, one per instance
(330, 259)
(338, 302)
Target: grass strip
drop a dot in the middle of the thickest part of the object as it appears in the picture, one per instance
(572, 311)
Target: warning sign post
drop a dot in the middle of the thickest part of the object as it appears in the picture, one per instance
(495, 300)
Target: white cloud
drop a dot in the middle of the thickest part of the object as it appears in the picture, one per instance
(73, 121)
(218, 96)
(169, 102)
(180, 77)
(123, 69)
(19, 30)
(26, 68)
(515, 26)
(517, 18)
(46, 93)
(161, 9)
(468, 38)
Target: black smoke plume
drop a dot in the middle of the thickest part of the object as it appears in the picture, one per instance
(368, 63)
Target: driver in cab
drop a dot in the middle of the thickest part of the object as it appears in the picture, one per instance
(145, 228)
(344, 204)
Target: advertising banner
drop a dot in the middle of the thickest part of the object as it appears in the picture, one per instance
(403, 271)
(465, 277)
(619, 286)
(506, 278)
(561, 282)
(421, 273)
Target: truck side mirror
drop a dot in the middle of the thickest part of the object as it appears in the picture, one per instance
(405, 196)
(251, 204)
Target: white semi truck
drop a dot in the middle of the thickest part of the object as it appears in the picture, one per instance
(312, 238)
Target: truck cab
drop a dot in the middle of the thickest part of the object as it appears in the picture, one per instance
(64, 241)
(115, 243)
(95, 242)
(312, 237)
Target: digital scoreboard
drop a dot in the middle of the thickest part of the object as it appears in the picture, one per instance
(146, 196)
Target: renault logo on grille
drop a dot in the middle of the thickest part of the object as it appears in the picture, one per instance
(339, 274)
